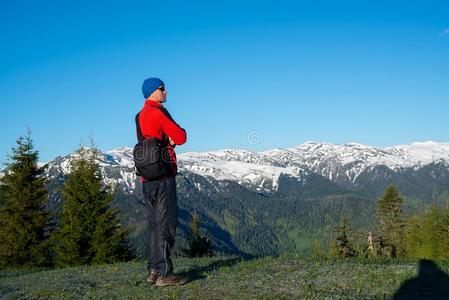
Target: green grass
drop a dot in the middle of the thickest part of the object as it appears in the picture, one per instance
(221, 277)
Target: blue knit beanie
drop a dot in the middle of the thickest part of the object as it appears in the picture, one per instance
(150, 85)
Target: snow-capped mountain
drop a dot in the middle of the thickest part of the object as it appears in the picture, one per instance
(338, 163)
(244, 167)
(117, 167)
(341, 164)
(247, 198)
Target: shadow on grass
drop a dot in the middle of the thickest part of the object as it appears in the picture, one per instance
(430, 283)
(197, 272)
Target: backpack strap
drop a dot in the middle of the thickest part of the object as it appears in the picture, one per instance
(138, 130)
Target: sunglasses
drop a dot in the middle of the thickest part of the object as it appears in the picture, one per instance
(162, 88)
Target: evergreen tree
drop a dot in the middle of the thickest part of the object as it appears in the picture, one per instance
(413, 240)
(429, 233)
(198, 246)
(90, 230)
(110, 239)
(391, 221)
(343, 245)
(25, 223)
(195, 226)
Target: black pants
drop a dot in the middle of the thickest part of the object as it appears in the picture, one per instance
(160, 201)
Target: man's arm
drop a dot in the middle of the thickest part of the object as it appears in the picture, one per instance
(177, 134)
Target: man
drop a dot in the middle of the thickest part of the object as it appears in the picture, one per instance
(160, 195)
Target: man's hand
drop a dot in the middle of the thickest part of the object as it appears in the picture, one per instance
(171, 142)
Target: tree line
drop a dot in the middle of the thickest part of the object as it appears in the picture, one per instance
(397, 235)
(85, 230)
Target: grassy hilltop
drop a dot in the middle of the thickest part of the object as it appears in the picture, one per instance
(233, 277)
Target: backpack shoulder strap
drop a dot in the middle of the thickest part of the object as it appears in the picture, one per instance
(138, 130)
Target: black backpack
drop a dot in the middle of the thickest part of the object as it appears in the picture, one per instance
(152, 159)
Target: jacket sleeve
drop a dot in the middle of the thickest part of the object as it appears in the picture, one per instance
(173, 130)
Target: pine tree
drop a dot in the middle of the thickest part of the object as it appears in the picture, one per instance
(391, 221)
(25, 223)
(427, 236)
(343, 245)
(198, 246)
(110, 239)
(195, 226)
(90, 230)
(429, 233)
(413, 240)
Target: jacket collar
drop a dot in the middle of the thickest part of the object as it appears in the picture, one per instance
(153, 103)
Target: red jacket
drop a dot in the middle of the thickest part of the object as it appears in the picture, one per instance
(153, 122)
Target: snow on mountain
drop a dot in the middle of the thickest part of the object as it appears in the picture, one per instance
(350, 160)
(329, 160)
(122, 156)
(261, 170)
(421, 154)
(117, 167)
(237, 165)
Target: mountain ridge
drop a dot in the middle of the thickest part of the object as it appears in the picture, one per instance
(278, 200)
(340, 163)
(333, 161)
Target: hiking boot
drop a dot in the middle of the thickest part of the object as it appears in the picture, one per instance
(152, 276)
(171, 280)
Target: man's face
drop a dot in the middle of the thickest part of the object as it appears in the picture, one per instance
(160, 94)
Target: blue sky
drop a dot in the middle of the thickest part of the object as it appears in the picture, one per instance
(278, 73)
